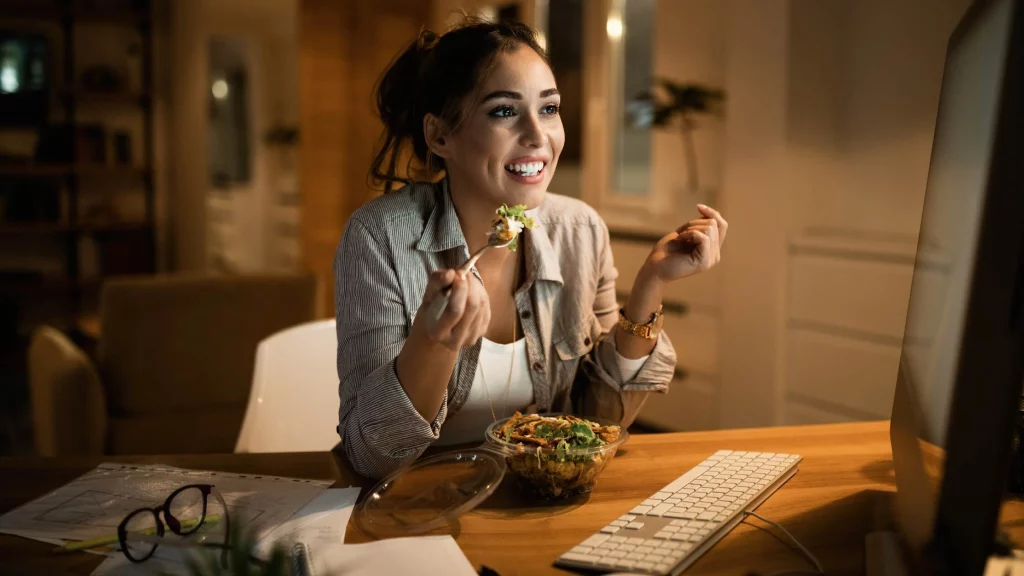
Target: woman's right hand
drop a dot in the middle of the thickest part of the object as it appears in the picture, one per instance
(466, 317)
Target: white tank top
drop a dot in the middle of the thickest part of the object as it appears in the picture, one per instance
(469, 424)
(471, 421)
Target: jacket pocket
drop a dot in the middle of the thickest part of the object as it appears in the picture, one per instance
(580, 340)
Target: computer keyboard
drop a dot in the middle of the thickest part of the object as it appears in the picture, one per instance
(669, 531)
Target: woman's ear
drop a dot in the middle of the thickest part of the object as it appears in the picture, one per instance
(435, 134)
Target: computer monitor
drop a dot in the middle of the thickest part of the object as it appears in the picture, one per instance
(960, 370)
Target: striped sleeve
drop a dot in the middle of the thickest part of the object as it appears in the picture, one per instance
(380, 428)
(612, 394)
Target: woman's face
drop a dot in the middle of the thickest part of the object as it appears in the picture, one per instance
(508, 143)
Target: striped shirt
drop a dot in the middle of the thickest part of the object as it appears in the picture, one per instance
(566, 306)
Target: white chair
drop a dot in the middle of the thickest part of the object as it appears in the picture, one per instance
(293, 405)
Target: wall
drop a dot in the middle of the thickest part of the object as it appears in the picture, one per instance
(343, 50)
(820, 166)
(830, 117)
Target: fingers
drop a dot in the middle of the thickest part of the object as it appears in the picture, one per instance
(436, 282)
(465, 332)
(704, 246)
(710, 212)
(453, 312)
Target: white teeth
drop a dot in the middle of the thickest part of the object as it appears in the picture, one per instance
(528, 169)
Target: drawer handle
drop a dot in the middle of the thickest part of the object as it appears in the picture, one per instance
(680, 374)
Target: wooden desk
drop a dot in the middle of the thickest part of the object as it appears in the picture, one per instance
(845, 478)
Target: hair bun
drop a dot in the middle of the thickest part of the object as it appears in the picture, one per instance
(426, 40)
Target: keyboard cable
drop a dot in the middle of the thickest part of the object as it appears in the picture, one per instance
(820, 571)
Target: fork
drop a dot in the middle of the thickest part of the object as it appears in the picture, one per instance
(438, 306)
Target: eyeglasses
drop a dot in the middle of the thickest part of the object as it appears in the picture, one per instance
(184, 512)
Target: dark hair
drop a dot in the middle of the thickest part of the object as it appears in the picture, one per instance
(434, 75)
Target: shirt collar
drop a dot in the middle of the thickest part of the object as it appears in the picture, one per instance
(541, 259)
(442, 230)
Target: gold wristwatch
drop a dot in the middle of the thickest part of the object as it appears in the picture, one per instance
(648, 330)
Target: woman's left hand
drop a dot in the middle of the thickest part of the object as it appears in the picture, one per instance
(694, 247)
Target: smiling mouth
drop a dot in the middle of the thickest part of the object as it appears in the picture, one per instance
(526, 169)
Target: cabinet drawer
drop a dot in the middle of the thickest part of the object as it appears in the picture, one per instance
(695, 338)
(852, 374)
(858, 295)
(691, 404)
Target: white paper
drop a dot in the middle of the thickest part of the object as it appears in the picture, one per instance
(94, 504)
(166, 562)
(395, 557)
(320, 523)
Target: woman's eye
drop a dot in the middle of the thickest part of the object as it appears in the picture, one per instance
(503, 112)
(551, 109)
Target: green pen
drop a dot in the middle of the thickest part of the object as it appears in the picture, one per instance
(112, 539)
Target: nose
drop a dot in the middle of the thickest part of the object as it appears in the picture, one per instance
(533, 135)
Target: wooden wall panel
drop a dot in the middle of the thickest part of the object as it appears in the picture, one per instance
(344, 47)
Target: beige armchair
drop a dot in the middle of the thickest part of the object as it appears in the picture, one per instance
(174, 364)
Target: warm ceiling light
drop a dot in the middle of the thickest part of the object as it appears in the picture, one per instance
(220, 89)
(614, 27)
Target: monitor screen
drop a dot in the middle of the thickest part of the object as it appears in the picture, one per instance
(957, 338)
(950, 222)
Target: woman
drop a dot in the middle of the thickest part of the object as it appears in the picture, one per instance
(535, 329)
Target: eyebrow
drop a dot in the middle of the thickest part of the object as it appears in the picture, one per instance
(516, 95)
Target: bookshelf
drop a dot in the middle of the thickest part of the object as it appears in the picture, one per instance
(76, 178)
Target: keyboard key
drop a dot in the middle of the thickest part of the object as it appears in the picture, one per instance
(697, 503)
(683, 480)
(660, 509)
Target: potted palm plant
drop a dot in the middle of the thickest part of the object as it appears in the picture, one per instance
(676, 106)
